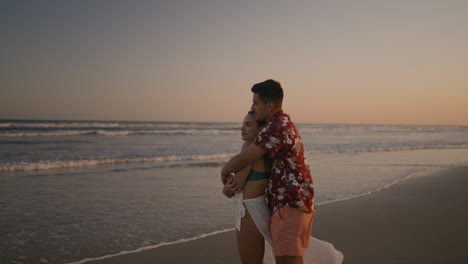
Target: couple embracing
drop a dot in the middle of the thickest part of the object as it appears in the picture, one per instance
(271, 183)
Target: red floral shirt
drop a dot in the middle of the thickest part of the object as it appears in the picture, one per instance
(290, 183)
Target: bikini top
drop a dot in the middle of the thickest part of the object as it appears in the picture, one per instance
(256, 176)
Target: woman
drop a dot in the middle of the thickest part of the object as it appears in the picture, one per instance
(253, 180)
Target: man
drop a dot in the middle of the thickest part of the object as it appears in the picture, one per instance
(290, 187)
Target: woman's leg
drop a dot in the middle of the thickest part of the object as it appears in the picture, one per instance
(250, 241)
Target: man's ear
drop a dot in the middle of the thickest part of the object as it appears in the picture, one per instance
(270, 106)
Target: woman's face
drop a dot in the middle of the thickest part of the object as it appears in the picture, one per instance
(249, 128)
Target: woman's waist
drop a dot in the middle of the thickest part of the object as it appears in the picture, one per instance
(254, 189)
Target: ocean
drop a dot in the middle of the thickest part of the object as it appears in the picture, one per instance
(77, 190)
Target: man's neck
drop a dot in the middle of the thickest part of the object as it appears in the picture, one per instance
(270, 116)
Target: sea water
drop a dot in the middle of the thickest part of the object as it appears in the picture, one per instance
(75, 190)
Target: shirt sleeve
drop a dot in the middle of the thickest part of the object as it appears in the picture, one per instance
(270, 139)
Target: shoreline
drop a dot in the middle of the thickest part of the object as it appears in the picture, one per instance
(220, 246)
(180, 241)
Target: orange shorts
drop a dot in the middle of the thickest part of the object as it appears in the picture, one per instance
(290, 231)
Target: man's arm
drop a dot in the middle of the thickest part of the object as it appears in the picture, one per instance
(242, 160)
(238, 181)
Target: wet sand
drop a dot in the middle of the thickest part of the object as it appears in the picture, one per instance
(421, 220)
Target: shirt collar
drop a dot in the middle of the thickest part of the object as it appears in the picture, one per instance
(277, 114)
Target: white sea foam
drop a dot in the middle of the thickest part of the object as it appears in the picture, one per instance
(58, 124)
(116, 125)
(117, 132)
(310, 129)
(153, 247)
(370, 148)
(101, 161)
(5, 124)
(304, 128)
(109, 128)
(48, 133)
(182, 160)
(189, 132)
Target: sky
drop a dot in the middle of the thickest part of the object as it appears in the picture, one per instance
(365, 62)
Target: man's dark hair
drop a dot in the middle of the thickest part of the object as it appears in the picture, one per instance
(269, 91)
(260, 123)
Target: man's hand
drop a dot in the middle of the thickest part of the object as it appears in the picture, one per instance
(224, 176)
(236, 184)
(227, 190)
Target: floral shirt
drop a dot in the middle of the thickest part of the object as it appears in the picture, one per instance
(290, 183)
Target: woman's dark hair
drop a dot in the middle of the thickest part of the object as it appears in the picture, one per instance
(269, 91)
(260, 123)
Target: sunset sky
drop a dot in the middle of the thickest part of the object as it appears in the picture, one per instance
(378, 62)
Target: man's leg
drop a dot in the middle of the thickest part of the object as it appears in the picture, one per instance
(289, 260)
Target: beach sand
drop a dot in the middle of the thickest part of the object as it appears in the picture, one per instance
(421, 220)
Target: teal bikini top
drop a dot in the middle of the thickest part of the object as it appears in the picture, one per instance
(256, 176)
